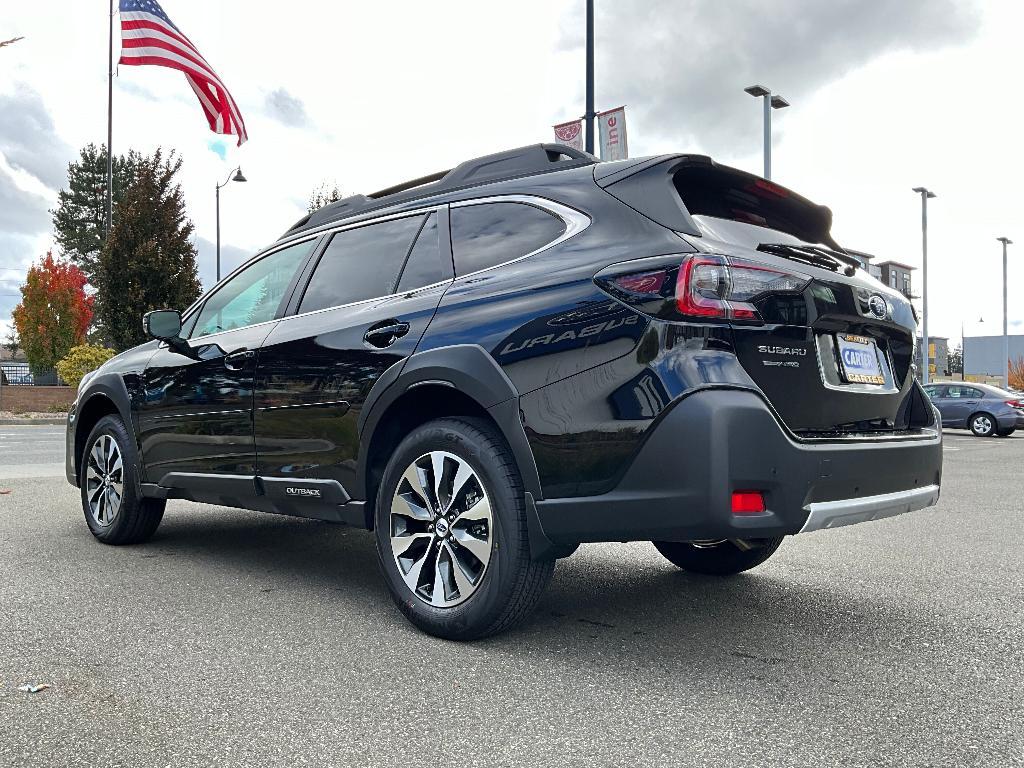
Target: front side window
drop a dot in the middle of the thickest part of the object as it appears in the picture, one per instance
(489, 234)
(253, 295)
(361, 263)
(933, 390)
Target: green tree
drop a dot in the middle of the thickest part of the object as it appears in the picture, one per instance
(80, 215)
(322, 196)
(12, 343)
(955, 359)
(54, 312)
(148, 261)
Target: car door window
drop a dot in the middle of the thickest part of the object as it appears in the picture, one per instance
(973, 394)
(423, 267)
(958, 392)
(489, 234)
(254, 295)
(933, 391)
(361, 263)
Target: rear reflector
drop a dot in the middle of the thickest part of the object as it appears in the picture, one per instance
(747, 502)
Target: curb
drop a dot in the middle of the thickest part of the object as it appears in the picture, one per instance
(60, 420)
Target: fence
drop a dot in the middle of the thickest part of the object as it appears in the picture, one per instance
(20, 375)
(25, 391)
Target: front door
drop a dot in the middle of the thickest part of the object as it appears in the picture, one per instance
(195, 410)
(368, 302)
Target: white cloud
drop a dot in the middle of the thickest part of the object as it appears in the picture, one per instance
(393, 90)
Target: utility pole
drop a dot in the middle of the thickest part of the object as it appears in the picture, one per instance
(590, 115)
(1006, 337)
(926, 195)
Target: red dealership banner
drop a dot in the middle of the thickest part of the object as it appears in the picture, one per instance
(612, 129)
(570, 134)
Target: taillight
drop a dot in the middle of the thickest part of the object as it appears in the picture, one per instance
(700, 286)
(1015, 403)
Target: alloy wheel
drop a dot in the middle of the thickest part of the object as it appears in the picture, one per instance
(983, 425)
(104, 480)
(441, 529)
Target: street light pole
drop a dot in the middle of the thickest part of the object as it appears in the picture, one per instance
(235, 175)
(590, 115)
(926, 195)
(1006, 338)
(771, 101)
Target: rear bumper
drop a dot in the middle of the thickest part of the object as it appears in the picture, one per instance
(716, 441)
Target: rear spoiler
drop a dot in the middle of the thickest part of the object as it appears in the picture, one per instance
(670, 189)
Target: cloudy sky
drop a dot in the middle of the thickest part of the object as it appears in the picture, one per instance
(886, 95)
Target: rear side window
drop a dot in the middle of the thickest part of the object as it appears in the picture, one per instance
(361, 264)
(424, 264)
(489, 234)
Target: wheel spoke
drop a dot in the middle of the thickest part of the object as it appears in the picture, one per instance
(463, 474)
(479, 511)
(462, 579)
(479, 548)
(404, 504)
(437, 465)
(412, 576)
(402, 544)
(437, 596)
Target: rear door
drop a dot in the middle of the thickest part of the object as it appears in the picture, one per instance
(364, 307)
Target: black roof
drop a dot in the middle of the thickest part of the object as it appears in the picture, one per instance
(501, 166)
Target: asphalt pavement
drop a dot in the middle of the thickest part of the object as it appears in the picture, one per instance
(238, 638)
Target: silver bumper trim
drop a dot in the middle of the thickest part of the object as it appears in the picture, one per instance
(833, 514)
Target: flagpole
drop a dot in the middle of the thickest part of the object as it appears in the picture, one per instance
(110, 119)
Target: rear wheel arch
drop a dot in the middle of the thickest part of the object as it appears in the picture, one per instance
(461, 380)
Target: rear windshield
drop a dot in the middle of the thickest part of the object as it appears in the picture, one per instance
(725, 193)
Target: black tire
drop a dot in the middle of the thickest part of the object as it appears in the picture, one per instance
(1006, 432)
(722, 559)
(511, 583)
(136, 518)
(982, 424)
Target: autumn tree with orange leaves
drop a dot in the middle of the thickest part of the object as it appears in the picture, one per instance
(54, 312)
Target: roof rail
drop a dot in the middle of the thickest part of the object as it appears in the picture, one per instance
(510, 164)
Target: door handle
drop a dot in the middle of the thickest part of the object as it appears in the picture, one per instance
(385, 334)
(236, 361)
(972, 402)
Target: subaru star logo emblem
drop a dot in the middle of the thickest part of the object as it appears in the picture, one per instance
(878, 306)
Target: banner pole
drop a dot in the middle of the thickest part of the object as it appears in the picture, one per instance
(589, 116)
(110, 119)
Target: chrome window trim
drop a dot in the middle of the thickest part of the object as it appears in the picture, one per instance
(575, 222)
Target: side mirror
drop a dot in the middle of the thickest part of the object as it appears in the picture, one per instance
(163, 324)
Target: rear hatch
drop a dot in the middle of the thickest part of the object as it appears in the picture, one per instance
(830, 347)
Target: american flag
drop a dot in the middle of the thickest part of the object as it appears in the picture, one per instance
(148, 36)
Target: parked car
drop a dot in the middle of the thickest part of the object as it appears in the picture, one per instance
(985, 410)
(492, 365)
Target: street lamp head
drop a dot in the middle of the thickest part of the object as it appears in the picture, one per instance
(757, 90)
(1005, 240)
(923, 191)
(778, 102)
(238, 176)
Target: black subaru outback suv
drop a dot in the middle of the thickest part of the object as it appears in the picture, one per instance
(488, 366)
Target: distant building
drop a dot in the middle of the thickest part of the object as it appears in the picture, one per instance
(896, 275)
(938, 356)
(983, 355)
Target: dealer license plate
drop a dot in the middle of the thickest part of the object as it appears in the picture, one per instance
(858, 356)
